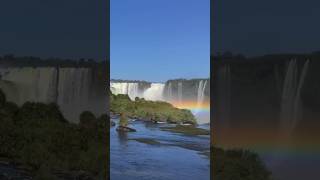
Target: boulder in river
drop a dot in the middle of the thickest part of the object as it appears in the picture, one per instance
(125, 129)
(112, 123)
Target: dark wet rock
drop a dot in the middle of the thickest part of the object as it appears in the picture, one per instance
(125, 129)
(112, 123)
(158, 122)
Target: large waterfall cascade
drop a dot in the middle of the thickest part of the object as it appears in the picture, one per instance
(158, 91)
(70, 88)
(291, 101)
(131, 89)
(33, 84)
(153, 93)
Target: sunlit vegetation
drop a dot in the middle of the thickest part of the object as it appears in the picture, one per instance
(149, 110)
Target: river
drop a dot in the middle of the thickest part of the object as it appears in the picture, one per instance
(169, 156)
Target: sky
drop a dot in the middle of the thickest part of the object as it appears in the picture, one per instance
(257, 27)
(57, 28)
(157, 40)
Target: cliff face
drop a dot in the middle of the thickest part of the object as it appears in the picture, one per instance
(74, 89)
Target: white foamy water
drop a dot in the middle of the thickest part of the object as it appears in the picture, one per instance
(155, 92)
(131, 89)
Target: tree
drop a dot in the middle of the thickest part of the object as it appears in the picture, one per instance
(87, 119)
(238, 164)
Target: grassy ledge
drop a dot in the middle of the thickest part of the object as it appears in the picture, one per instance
(187, 130)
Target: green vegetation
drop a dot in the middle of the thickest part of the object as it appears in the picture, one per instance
(38, 137)
(187, 130)
(149, 110)
(238, 164)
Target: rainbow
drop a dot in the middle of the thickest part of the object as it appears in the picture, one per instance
(193, 106)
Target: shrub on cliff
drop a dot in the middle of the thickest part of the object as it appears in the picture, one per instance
(87, 119)
(238, 164)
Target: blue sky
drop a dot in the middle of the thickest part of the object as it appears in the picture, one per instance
(64, 29)
(157, 40)
(254, 27)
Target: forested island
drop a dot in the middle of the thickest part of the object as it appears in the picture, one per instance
(149, 110)
(37, 142)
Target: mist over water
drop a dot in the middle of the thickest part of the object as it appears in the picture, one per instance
(155, 92)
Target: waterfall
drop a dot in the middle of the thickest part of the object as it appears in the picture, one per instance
(297, 102)
(71, 88)
(74, 90)
(180, 93)
(288, 95)
(200, 93)
(33, 84)
(155, 92)
(131, 89)
(290, 102)
(169, 92)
